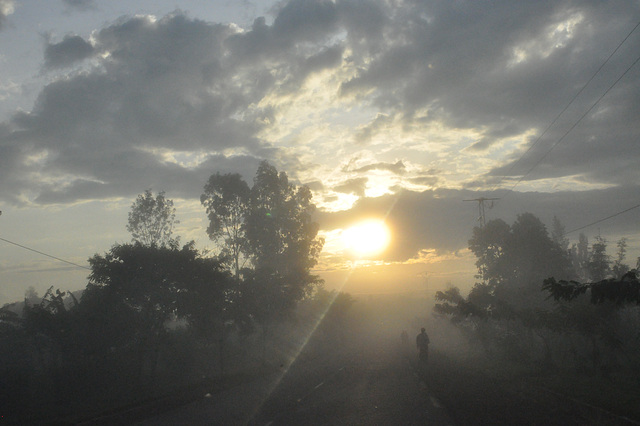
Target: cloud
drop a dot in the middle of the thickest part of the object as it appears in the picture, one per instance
(70, 50)
(305, 21)
(464, 88)
(355, 186)
(160, 85)
(81, 5)
(440, 220)
(506, 68)
(365, 134)
(396, 168)
(7, 7)
(424, 180)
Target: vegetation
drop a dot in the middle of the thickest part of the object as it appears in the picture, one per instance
(151, 220)
(529, 311)
(157, 316)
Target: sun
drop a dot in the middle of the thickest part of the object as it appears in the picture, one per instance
(367, 238)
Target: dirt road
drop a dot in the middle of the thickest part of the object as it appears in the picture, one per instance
(375, 386)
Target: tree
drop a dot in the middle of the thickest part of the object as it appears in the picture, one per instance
(514, 260)
(270, 229)
(151, 220)
(281, 234)
(504, 310)
(620, 291)
(488, 244)
(580, 257)
(558, 234)
(226, 199)
(619, 268)
(599, 261)
(150, 285)
(597, 320)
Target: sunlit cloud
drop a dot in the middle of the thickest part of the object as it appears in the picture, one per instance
(400, 109)
(7, 7)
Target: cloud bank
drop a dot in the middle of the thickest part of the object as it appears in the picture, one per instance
(421, 102)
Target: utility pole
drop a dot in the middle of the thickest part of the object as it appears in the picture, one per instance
(480, 201)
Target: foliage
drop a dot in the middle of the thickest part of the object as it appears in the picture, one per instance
(598, 320)
(508, 312)
(512, 263)
(271, 227)
(558, 234)
(151, 220)
(281, 233)
(50, 316)
(619, 269)
(456, 306)
(158, 282)
(599, 262)
(620, 291)
(153, 314)
(580, 257)
(226, 199)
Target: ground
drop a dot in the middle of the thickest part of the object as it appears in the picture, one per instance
(374, 382)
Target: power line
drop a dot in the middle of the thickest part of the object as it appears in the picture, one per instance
(579, 120)
(603, 219)
(44, 254)
(572, 127)
(567, 106)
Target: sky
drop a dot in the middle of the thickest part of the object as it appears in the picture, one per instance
(392, 109)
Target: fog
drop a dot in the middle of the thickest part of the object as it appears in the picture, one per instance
(198, 169)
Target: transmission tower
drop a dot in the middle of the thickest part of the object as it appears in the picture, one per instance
(480, 201)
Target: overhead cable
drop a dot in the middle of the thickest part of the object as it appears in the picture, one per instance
(603, 219)
(572, 127)
(566, 107)
(44, 254)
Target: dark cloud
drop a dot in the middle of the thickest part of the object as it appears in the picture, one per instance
(397, 167)
(204, 90)
(355, 186)
(365, 134)
(70, 50)
(459, 62)
(305, 21)
(424, 180)
(325, 59)
(161, 86)
(441, 220)
(315, 185)
(81, 5)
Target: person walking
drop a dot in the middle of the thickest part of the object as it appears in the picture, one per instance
(422, 342)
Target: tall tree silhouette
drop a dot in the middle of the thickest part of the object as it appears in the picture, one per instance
(282, 236)
(271, 227)
(226, 199)
(151, 219)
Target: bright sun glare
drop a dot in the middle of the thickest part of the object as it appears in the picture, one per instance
(366, 238)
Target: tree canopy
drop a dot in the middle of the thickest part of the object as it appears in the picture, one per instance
(514, 260)
(226, 200)
(270, 227)
(151, 219)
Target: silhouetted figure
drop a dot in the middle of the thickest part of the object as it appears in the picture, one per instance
(404, 337)
(422, 342)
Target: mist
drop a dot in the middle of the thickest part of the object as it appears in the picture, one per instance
(182, 185)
